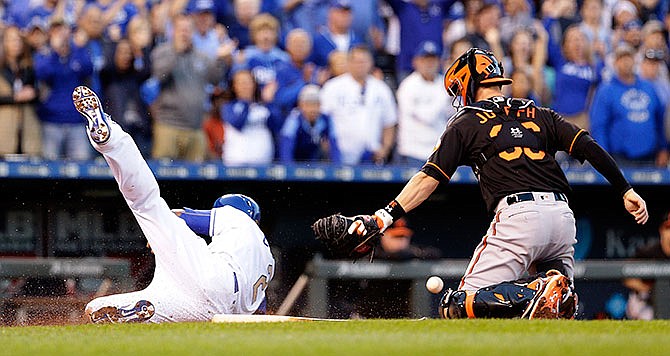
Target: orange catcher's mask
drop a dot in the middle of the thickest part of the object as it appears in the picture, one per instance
(473, 69)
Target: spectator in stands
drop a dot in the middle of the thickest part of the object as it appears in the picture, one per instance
(263, 58)
(577, 73)
(20, 130)
(337, 64)
(558, 15)
(140, 40)
(653, 10)
(652, 68)
(594, 28)
(457, 29)
(36, 35)
(631, 33)
(420, 20)
(627, 27)
(159, 18)
(53, 11)
(336, 35)
(249, 124)
(307, 134)
(422, 110)
(486, 33)
(522, 86)
(180, 106)
(63, 66)
(366, 20)
(459, 47)
(238, 29)
(308, 15)
(16, 13)
(528, 54)
(623, 12)
(627, 116)
(88, 34)
(363, 111)
(213, 126)
(517, 16)
(209, 36)
(117, 15)
(653, 36)
(121, 81)
(641, 299)
(293, 75)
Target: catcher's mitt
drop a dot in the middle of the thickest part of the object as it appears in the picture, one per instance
(333, 232)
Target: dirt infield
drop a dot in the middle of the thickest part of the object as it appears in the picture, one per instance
(27, 311)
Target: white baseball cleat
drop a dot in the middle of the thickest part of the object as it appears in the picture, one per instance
(88, 104)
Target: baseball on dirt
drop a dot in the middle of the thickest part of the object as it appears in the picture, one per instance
(434, 284)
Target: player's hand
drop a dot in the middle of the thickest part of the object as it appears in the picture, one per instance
(364, 225)
(269, 91)
(636, 206)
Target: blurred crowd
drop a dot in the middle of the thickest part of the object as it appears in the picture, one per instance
(251, 82)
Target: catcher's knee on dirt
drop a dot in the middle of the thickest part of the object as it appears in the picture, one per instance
(547, 296)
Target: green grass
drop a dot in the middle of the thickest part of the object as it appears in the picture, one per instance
(381, 337)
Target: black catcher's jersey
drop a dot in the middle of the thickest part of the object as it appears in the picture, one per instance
(510, 145)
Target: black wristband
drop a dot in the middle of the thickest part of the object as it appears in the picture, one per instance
(395, 210)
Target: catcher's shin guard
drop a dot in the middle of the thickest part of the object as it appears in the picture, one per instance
(504, 300)
(546, 297)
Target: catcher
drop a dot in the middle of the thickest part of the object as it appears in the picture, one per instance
(510, 145)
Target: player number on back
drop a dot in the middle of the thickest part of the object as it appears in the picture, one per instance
(518, 151)
(262, 282)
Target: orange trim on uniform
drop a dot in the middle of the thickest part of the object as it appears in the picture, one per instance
(474, 262)
(479, 254)
(497, 220)
(438, 168)
(469, 304)
(574, 140)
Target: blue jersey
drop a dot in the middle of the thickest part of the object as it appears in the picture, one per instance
(301, 141)
(61, 75)
(627, 119)
(324, 44)
(573, 84)
(573, 81)
(308, 15)
(290, 81)
(417, 25)
(123, 16)
(264, 65)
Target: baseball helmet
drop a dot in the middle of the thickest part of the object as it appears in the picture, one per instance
(473, 69)
(242, 203)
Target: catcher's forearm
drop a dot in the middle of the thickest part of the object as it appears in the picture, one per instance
(418, 189)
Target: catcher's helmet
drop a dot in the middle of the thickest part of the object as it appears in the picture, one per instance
(473, 69)
(242, 203)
